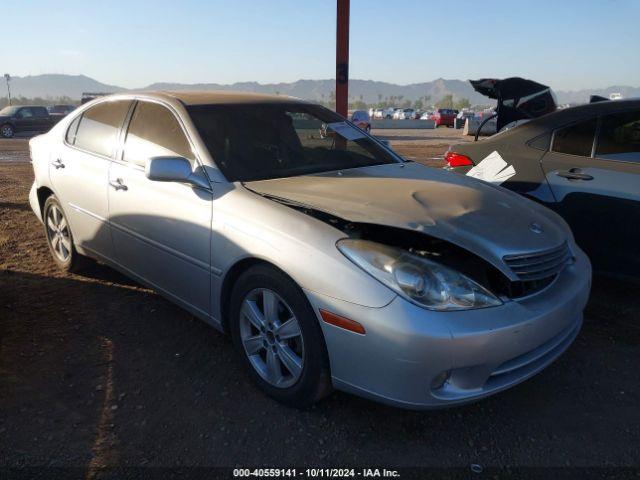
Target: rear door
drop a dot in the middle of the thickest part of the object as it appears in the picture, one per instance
(79, 173)
(593, 169)
(42, 122)
(161, 230)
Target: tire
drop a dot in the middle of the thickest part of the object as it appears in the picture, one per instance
(60, 238)
(7, 131)
(303, 348)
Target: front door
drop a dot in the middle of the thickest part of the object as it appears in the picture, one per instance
(79, 173)
(595, 179)
(161, 230)
(25, 120)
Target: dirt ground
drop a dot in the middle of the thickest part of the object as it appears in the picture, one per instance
(97, 371)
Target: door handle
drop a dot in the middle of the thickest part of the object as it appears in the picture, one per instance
(118, 185)
(574, 174)
(57, 163)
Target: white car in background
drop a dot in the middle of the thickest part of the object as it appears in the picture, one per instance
(403, 114)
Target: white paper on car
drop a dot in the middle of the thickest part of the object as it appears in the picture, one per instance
(345, 130)
(492, 169)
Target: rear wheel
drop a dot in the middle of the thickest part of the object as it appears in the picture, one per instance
(7, 131)
(60, 238)
(278, 337)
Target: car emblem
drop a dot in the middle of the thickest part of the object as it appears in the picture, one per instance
(535, 227)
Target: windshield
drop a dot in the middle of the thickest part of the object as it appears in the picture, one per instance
(8, 111)
(264, 141)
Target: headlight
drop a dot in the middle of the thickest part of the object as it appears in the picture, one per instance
(417, 279)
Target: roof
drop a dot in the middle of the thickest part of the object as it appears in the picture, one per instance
(209, 97)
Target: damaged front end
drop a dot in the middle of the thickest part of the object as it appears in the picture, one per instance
(387, 243)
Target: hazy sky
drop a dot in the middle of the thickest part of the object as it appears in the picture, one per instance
(565, 43)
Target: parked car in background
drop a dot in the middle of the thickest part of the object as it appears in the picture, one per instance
(463, 114)
(61, 110)
(362, 119)
(582, 162)
(383, 113)
(461, 118)
(426, 115)
(444, 116)
(331, 264)
(403, 114)
(25, 118)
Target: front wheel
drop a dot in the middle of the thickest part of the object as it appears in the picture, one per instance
(7, 131)
(60, 238)
(277, 335)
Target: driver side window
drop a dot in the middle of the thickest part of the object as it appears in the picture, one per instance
(25, 113)
(154, 131)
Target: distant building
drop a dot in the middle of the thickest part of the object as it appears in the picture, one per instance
(88, 96)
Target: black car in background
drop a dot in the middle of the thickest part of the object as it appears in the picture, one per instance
(584, 163)
(25, 118)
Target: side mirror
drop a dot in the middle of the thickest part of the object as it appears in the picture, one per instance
(173, 169)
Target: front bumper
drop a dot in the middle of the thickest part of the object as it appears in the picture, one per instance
(407, 351)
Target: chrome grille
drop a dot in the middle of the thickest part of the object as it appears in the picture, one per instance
(539, 265)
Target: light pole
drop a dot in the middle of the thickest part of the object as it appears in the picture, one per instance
(7, 77)
(342, 57)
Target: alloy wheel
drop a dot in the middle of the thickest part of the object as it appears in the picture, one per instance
(6, 131)
(271, 338)
(58, 233)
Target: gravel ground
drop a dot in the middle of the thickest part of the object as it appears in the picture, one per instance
(97, 371)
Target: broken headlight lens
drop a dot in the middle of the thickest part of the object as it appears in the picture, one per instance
(416, 278)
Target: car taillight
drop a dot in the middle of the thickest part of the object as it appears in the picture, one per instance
(457, 159)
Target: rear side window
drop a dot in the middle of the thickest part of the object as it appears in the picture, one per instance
(40, 112)
(73, 130)
(99, 127)
(576, 139)
(619, 137)
(155, 132)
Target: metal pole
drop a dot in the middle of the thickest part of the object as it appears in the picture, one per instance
(342, 58)
(7, 77)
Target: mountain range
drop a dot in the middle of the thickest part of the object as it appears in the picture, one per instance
(59, 85)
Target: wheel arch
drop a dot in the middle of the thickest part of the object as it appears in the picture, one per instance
(43, 193)
(231, 276)
(10, 123)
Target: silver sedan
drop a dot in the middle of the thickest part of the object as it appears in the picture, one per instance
(331, 261)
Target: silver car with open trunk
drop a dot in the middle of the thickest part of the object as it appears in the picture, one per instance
(330, 260)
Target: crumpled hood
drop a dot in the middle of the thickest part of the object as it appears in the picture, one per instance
(486, 220)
